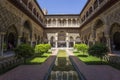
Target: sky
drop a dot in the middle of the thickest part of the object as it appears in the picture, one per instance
(62, 6)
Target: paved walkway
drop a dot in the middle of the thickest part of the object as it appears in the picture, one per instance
(30, 72)
(95, 72)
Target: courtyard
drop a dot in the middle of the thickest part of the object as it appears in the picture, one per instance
(59, 40)
(45, 71)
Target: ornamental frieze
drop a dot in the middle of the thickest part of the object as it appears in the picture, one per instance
(7, 19)
(113, 17)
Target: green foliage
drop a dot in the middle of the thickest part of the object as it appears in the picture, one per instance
(98, 50)
(38, 59)
(47, 46)
(76, 46)
(24, 50)
(42, 48)
(82, 47)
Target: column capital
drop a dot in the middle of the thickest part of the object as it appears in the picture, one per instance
(19, 36)
(2, 33)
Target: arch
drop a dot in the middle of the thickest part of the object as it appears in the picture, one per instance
(78, 40)
(98, 24)
(61, 39)
(52, 41)
(69, 21)
(116, 40)
(95, 4)
(30, 6)
(54, 22)
(64, 22)
(38, 39)
(100, 1)
(35, 36)
(27, 32)
(61, 36)
(115, 37)
(25, 2)
(86, 39)
(49, 22)
(34, 11)
(71, 40)
(90, 10)
(11, 37)
(98, 30)
(74, 22)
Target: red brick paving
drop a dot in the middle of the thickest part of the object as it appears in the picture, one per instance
(29, 72)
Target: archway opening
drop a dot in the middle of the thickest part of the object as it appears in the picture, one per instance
(61, 39)
(71, 44)
(52, 41)
(27, 32)
(115, 37)
(98, 31)
(116, 40)
(11, 38)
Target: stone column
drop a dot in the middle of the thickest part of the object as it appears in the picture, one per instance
(56, 22)
(47, 22)
(2, 43)
(67, 22)
(75, 21)
(56, 45)
(108, 42)
(56, 39)
(19, 40)
(48, 41)
(31, 42)
(67, 40)
(74, 43)
(67, 44)
(52, 22)
(98, 3)
(71, 22)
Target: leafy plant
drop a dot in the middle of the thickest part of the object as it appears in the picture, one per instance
(42, 48)
(98, 50)
(24, 50)
(82, 47)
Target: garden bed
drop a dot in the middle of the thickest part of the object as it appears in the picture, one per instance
(92, 60)
(38, 59)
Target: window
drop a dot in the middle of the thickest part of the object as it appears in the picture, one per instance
(25, 1)
(37, 14)
(95, 4)
(34, 11)
(30, 6)
(90, 10)
(100, 1)
(87, 14)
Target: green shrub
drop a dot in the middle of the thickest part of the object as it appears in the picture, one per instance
(76, 46)
(98, 50)
(24, 50)
(47, 46)
(42, 48)
(82, 47)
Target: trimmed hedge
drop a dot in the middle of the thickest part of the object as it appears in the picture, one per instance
(81, 47)
(98, 50)
(24, 50)
(42, 48)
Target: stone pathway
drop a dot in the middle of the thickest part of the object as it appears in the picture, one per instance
(30, 72)
(95, 72)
